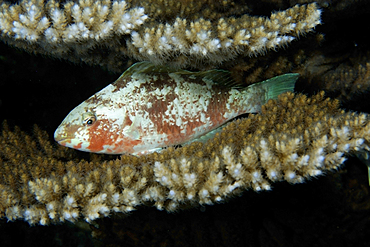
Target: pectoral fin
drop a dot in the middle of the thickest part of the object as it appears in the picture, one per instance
(132, 131)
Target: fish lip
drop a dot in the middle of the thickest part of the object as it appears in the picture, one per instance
(62, 141)
(59, 136)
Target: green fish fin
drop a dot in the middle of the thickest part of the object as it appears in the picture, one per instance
(146, 67)
(209, 135)
(277, 85)
(219, 77)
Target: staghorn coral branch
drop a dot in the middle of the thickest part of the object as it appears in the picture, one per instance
(292, 139)
(105, 32)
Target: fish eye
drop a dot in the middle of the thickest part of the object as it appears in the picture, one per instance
(88, 118)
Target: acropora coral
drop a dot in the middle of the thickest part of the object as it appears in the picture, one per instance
(184, 34)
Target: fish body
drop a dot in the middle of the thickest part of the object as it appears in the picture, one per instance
(151, 107)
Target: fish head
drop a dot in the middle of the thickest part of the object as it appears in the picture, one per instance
(93, 128)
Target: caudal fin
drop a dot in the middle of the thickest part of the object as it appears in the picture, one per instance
(276, 85)
(280, 84)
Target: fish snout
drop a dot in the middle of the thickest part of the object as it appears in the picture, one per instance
(63, 136)
(59, 135)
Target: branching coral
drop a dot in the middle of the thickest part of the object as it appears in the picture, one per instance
(345, 77)
(292, 139)
(105, 32)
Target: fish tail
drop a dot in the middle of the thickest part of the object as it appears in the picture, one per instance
(276, 85)
(280, 84)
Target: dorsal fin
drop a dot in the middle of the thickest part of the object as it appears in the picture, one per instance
(146, 67)
(220, 77)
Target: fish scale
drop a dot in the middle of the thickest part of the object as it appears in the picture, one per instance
(151, 107)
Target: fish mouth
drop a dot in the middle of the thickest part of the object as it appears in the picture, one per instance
(61, 138)
(71, 143)
(63, 141)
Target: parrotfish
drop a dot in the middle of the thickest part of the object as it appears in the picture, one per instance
(150, 107)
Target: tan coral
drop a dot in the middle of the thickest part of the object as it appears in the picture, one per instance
(106, 32)
(292, 139)
(344, 76)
